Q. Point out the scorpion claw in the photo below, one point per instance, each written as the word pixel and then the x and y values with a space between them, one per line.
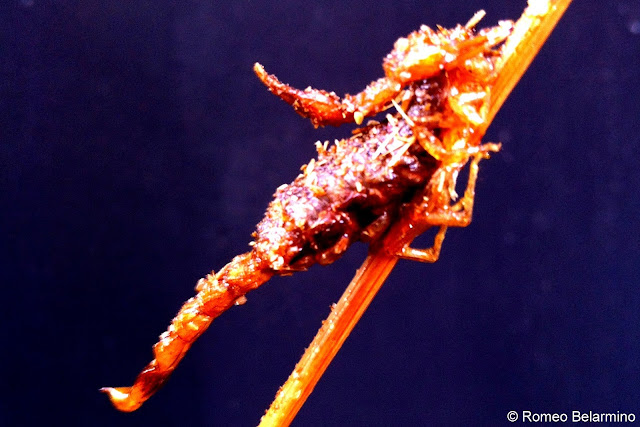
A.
pixel 327 108
pixel 322 107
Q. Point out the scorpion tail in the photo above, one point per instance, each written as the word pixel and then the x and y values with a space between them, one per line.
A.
pixel 216 294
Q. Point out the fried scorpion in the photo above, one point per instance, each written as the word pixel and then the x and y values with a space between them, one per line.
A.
pixel 439 84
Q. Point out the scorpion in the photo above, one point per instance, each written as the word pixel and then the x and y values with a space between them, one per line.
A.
pixel 438 84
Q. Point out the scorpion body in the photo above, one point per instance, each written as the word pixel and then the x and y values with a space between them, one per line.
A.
pixel 407 164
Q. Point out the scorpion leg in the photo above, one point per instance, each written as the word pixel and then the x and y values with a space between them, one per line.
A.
pixel 429 255
pixel 327 108
pixel 457 215
pixel 216 294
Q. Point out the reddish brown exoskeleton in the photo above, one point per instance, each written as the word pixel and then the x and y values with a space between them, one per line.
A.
pixel 438 83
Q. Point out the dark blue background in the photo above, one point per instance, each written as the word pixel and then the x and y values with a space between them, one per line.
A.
pixel 138 151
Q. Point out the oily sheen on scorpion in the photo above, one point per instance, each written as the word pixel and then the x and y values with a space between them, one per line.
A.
pixel 437 90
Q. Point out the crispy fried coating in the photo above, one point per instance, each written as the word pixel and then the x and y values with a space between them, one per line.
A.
pixel 439 83
pixel 350 186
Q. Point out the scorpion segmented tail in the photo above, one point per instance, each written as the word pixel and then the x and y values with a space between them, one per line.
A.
pixel 216 294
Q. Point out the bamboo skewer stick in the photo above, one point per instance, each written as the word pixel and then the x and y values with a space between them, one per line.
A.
pixel 334 331
pixel 529 34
